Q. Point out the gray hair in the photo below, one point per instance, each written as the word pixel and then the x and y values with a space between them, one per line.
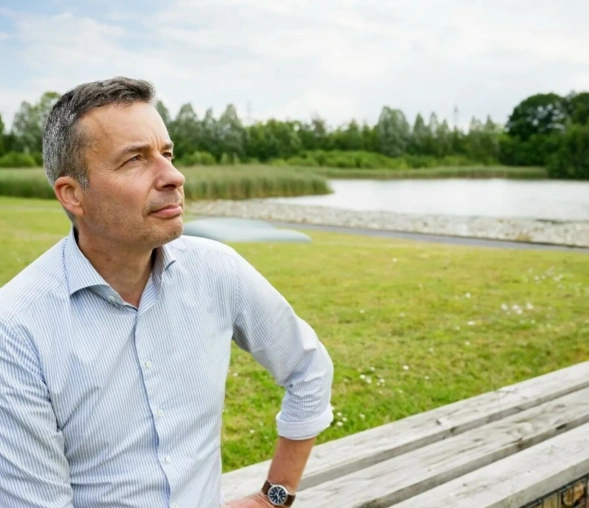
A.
pixel 64 142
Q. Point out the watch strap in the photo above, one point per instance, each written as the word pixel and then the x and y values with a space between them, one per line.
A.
pixel 289 498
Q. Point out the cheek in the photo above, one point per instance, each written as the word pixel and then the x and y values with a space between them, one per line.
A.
pixel 115 202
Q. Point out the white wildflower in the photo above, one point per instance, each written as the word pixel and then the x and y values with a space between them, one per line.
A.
pixel 405 367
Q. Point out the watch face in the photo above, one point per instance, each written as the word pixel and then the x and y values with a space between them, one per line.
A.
pixel 277 495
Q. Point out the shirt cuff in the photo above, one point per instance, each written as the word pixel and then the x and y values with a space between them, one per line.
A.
pixel 297 431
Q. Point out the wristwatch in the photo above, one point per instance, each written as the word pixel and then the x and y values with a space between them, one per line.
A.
pixel 277 494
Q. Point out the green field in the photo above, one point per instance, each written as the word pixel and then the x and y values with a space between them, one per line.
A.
pixel 212 182
pixel 437 323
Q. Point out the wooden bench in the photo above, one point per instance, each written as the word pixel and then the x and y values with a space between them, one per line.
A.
pixel 501 449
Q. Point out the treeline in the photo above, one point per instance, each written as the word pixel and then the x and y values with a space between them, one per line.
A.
pixel 544 130
pixel 552 131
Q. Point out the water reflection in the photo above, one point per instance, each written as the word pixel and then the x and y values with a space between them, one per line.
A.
pixel 544 199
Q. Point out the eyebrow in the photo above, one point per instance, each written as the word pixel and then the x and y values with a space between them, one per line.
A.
pixel 142 147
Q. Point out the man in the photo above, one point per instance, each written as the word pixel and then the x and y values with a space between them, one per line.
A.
pixel 115 344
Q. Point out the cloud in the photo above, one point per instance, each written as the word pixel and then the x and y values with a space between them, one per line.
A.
pixel 342 59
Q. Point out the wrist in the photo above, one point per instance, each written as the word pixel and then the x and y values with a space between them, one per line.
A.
pixel 278 494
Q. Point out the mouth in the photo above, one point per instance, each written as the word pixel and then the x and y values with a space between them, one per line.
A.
pixel 168 211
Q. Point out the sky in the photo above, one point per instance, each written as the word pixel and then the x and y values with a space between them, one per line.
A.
pixel 292 59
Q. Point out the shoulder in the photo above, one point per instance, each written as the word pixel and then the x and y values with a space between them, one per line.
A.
pixel 203 249
pixel 38 281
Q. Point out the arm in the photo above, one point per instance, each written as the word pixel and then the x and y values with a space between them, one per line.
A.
pixel 267 327
pixel 289 462
pixel 34 472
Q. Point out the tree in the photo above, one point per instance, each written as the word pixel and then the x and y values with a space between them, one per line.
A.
pixel 348 137
pixel 443 139
pixel 369 138
pixel 474 137
pixel 2 137
pixel 540 114
pixel 232 135
pixel 164 113
pixel 419 136
pixel 393 132
pixel 29 122
pixel 283 140
pixel 489 141
pixel 185 131
pixel 578 108
pixel 571 159
pixel 210 140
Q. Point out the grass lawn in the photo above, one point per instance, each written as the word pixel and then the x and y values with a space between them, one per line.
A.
pixel 435 323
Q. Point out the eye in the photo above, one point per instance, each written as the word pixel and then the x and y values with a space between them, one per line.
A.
pixel 135 159
pixel 168 155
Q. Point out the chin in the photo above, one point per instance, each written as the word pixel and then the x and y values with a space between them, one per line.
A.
pixel 173 231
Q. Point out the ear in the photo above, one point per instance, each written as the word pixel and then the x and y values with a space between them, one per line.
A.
pixel 69 193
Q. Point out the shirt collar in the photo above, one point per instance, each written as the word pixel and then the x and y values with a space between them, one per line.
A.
pixel 81 274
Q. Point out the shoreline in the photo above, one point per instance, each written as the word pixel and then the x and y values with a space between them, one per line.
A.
pixel 541 231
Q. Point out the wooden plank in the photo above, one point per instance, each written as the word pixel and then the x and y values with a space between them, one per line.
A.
pixel 516 480
pixel 403 477
pixel 352 453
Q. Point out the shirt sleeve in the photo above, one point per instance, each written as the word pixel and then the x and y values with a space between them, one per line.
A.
pixel 34 472
pixel 267 327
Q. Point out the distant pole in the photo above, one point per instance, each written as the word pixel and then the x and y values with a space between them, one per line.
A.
pixel 455 117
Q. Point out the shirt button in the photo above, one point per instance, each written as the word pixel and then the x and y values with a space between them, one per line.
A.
pixel 159 413
pixel 167 459
pixel 148 364
pixel 112 298
pixel 175 505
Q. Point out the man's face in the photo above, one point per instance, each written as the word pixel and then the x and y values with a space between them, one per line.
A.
pixel 136 196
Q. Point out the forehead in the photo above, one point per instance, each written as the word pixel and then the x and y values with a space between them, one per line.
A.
pixel 118 124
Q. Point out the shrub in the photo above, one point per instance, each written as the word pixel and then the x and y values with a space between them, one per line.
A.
pixel 18 160
pixel 197 159
pixel 571 159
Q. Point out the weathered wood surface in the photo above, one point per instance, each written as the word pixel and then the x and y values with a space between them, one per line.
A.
pixel 406 476
pixel 515 481
pixel 354 453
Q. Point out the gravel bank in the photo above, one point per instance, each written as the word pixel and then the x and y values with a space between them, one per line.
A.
pixel 570 233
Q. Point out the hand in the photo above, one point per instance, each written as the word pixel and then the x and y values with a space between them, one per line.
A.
pixel 258 500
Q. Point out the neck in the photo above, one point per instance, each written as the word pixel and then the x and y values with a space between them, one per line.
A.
pixel 126 270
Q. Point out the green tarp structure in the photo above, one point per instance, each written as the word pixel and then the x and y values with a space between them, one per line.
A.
pixel 229 229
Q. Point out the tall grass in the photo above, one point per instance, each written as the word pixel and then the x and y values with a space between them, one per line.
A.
pixel 530 173
pixel 218 182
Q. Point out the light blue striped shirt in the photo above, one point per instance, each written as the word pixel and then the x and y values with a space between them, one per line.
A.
pixel 105 405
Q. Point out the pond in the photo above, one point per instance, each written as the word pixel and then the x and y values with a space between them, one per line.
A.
pixel 540 199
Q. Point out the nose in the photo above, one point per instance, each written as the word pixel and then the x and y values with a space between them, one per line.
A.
pixel 168 176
